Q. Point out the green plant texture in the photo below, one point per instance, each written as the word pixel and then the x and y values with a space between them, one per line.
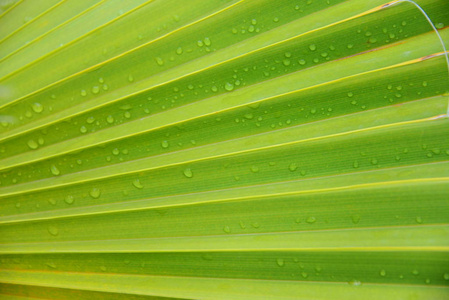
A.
pixel 224 149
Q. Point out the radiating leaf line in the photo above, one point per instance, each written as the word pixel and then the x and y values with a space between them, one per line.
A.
pixel 72 42
pixel 10 8
pixel 2 59
pixel 150 203
pixel 110 59
pixel 363 239
pixel 138 165
pixel 31 21
pixel 70 114
pixel 102 136
pixel 193 72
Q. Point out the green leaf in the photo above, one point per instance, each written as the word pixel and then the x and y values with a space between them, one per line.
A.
pixel 224 149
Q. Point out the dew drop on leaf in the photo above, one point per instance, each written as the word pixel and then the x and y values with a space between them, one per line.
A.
pixel 53 230
pixel 311 220
pixel 280 262
pixel 254 169
pixel 95 193
pixel 138 184
pixel 188 173
pixel 229 86
pixel 292 167
pixel 37 107
pixel 54 170
pixel 95 89
pixel 165 144
pixel 69 199
pixel 355 219
pixel 32 144
pixel 159 61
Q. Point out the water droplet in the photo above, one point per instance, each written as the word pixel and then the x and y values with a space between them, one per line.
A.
pixel 115 151
pixel 280 262
pixel 130 78
pixel 188 173
pixel 90 120
pixel 95 89
pixel 54 170
pixel 304 275
pixel 207 41
pixel 350 46
pixel 165 144
pixel 419 220
pixel 95 193
pixel 110 119
pixel 311 220
pixel 374 161
pixel 200 43
pixel 159 61
pixel 372 40
pixel 83 93
pixel 382 273
pixel 53 230
pixel 32 144
pixel 227 229
pixel 138 184
pixel 350 94
pixel 286 62
pixel 37 107
pixel 229 86
pixel 179 51
pixel 276 19
pixel 254 169
pixel 302 62
pixel 355 219
pixel 415 272
pixel 83 129
pixel 69 199
pixel 446 276
pixel 355 282
pixel 312 47
pixel 293 167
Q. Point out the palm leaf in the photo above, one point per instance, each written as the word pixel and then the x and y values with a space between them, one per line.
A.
pixel 224 149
